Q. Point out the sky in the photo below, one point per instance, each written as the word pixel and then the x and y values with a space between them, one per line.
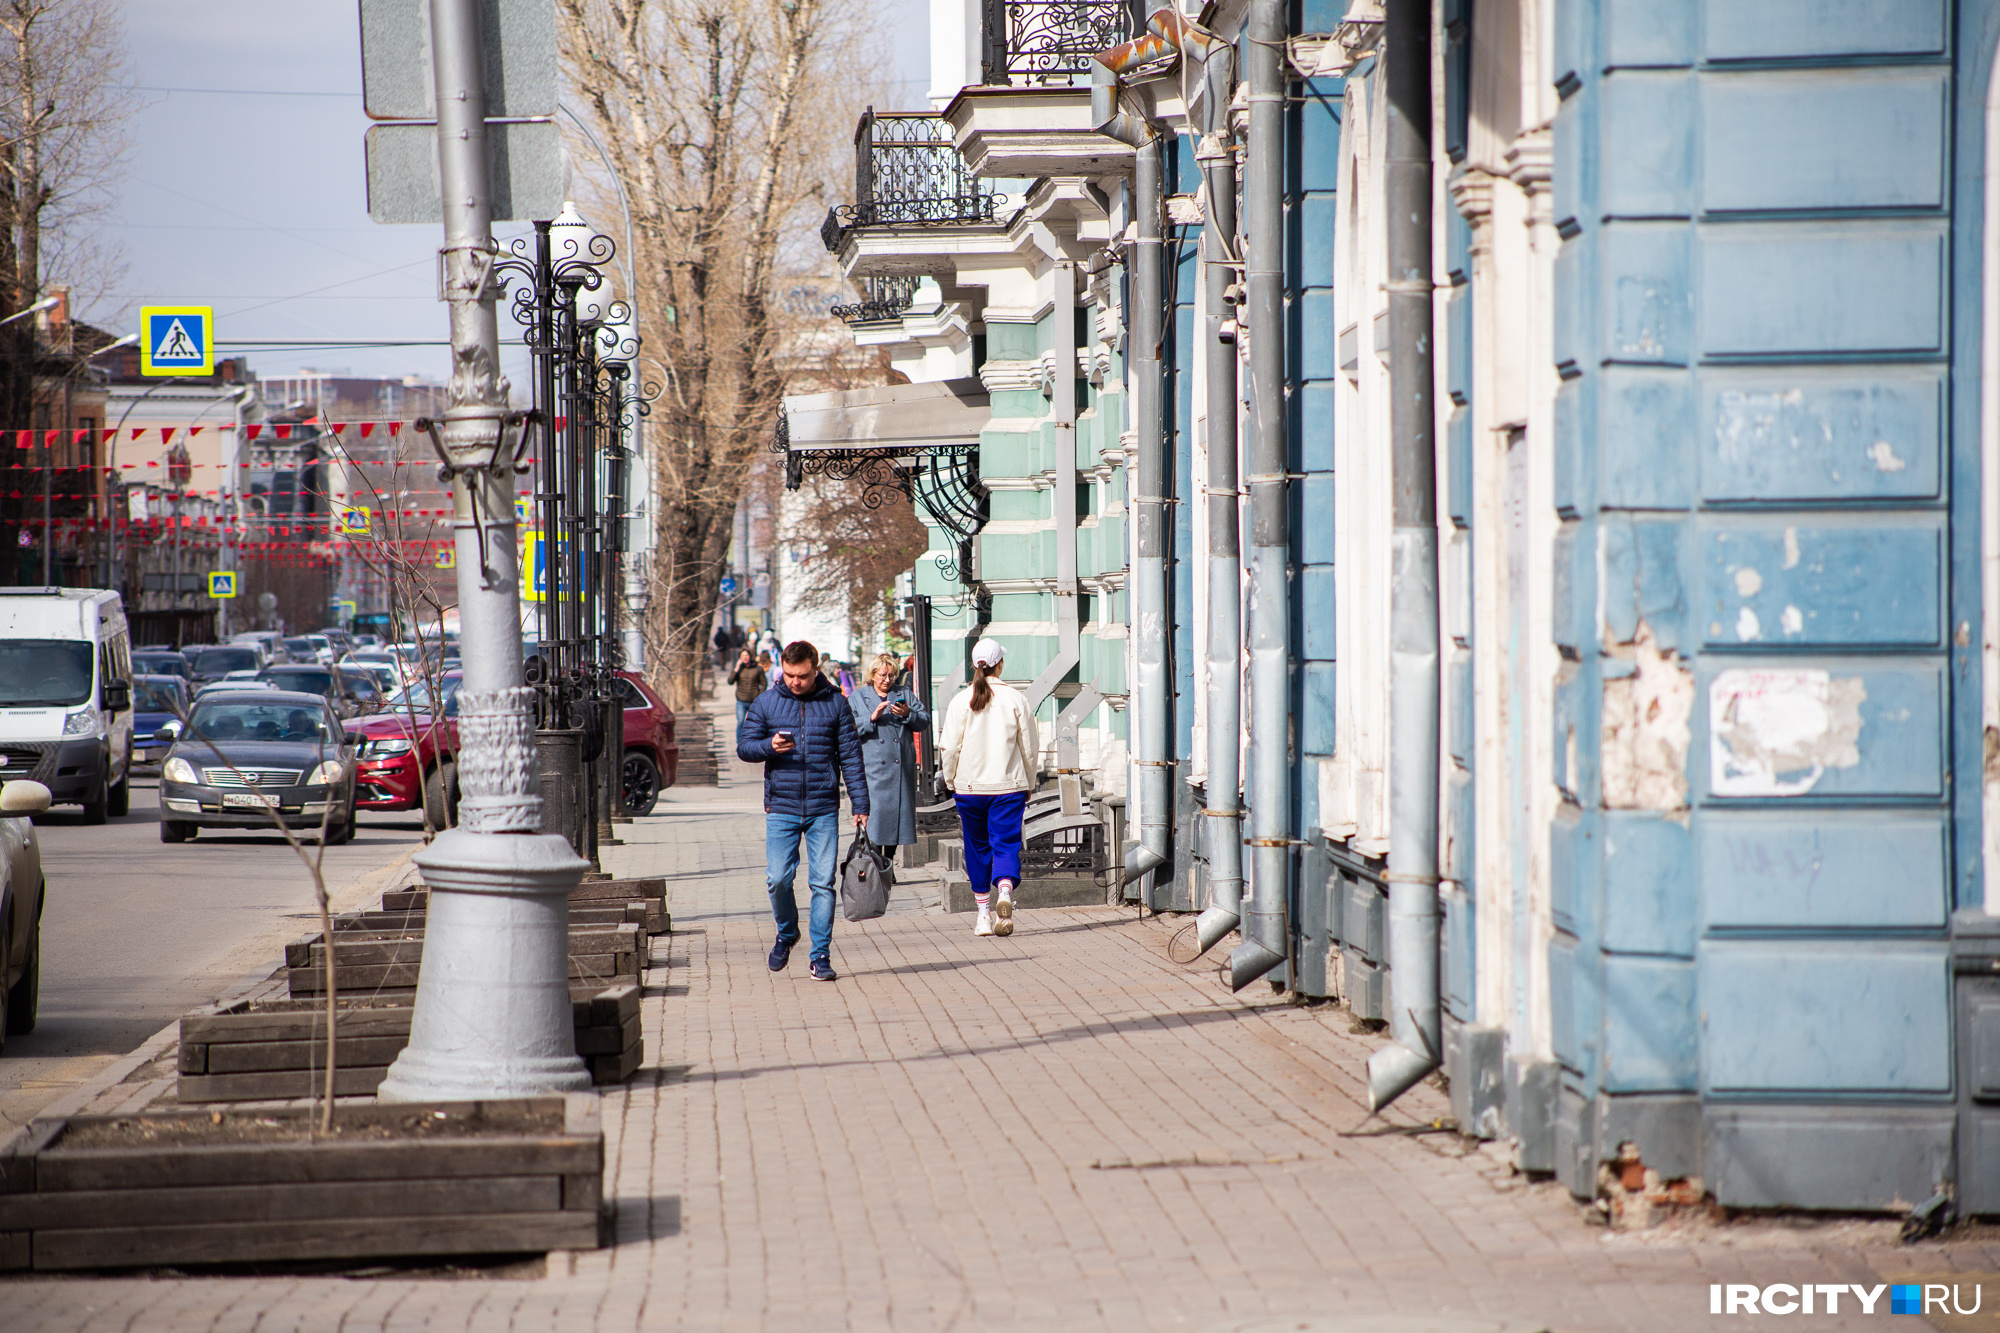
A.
pixel 245 189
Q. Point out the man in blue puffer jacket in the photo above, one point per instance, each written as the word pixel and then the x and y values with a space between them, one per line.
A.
pixel 802 732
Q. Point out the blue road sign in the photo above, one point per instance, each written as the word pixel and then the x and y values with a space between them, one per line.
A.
pixel 177 340
pixel 728 586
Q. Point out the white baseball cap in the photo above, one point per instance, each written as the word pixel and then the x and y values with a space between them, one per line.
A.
pixel 988 653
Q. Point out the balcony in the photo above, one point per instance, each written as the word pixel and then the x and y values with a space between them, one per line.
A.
pixel 882 299
pixel 907 174
pixel 1043 43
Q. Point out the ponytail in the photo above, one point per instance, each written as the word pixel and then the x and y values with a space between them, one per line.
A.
pixel 982 693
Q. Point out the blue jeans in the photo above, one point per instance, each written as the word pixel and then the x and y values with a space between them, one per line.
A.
pixel 742 707
pixel 781 867
pixel 992 828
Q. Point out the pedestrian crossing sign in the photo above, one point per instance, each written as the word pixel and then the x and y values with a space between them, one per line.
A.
pixel 446 558
pixel 354 521
pixel 177 340
pixel 222 584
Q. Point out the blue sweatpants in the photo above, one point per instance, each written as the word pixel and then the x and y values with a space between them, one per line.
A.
pixel 992 828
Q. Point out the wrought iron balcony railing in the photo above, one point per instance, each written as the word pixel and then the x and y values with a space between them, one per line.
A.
pixel 1038 42
pixel 907 173
pixel 882 298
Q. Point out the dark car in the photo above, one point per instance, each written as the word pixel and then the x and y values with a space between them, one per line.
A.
pixel 161 662
pixel 246 758
pixel 652 757
pixel 214 661
pixel 156 701
pixel 352 693
pixel 406 754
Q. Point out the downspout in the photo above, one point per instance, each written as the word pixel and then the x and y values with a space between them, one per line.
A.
pixel 1263 946
pixel 1225 564
pixel 1169 35
pixel 1418 1046
pixel 1062 417
pixel 1147 589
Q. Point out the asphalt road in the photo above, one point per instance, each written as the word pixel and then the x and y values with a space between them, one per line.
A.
pixel 136 932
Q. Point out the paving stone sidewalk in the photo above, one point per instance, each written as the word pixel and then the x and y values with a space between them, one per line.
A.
pixel 1060 1130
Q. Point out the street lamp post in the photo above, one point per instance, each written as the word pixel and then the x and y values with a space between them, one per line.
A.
pixel 492 1009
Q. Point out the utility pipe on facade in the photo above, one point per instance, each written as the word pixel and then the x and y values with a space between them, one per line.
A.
pixel 1217 156
pixel 1147 588
pixel 1169 35
pixel 492 1009
pixel 1418 1047
pixel 1266 907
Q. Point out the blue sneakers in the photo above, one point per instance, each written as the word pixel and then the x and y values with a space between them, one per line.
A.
pixel 781 953
pixel 823 969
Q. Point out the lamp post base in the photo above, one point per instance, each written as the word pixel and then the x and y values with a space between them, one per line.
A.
pixel 493 1016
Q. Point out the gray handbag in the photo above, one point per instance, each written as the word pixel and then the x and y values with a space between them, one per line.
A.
pixel 865 876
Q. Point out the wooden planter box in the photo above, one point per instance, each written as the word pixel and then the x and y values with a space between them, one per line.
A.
pixel 275 1050
pixel 165 1200
pixel 633 912
pixel 378 962
pixel 595 895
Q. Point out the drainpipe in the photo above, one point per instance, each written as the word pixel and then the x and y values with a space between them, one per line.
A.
pixel 1413 598
pixel 1062 418
pixel 1168 35
pixel 1147 588
pixel 1263 946
pixel 1225 564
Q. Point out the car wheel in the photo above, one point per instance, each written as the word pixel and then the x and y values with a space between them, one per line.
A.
pixel 25 998
pixel 441 795
pixel 173 830
pixel 98 804
pixel 120 803
pixel 642 783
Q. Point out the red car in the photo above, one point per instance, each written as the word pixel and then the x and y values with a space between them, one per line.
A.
pixel 397 767
pixel 652 757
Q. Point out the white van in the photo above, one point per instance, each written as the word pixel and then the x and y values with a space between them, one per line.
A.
pixel 66 696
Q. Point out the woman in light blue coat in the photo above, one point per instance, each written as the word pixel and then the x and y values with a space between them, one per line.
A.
pixel 887 720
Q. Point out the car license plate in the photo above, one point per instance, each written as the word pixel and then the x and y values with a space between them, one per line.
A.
pixel 256 800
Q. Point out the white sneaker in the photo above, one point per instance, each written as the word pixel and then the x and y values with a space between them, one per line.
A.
pixel 1004 910
pixel 984 925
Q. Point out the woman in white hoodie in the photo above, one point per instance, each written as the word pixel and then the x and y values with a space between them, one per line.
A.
pixel 989 753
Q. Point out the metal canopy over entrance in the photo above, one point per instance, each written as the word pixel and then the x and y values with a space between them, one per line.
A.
pixel 921 439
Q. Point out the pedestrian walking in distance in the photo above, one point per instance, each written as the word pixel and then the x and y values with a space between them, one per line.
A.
pixel 990 755
pixel 887 718
pixel 803 734
pixel 749 679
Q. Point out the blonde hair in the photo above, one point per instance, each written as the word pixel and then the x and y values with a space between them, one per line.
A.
pixel 881 661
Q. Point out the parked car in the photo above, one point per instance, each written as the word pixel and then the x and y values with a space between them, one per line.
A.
pixel 156 701
pixel 310 648
pixel 652 756
pixel 214 661
pixel 352 694
pixel 162 662
pixel 406 755
pixel 22 891
pixel 382 674
pixel 244 758
pixel 249 680
pixel 266 641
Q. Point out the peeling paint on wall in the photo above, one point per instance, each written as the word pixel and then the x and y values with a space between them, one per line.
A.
pixel 1646 729
pixel 1777 732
